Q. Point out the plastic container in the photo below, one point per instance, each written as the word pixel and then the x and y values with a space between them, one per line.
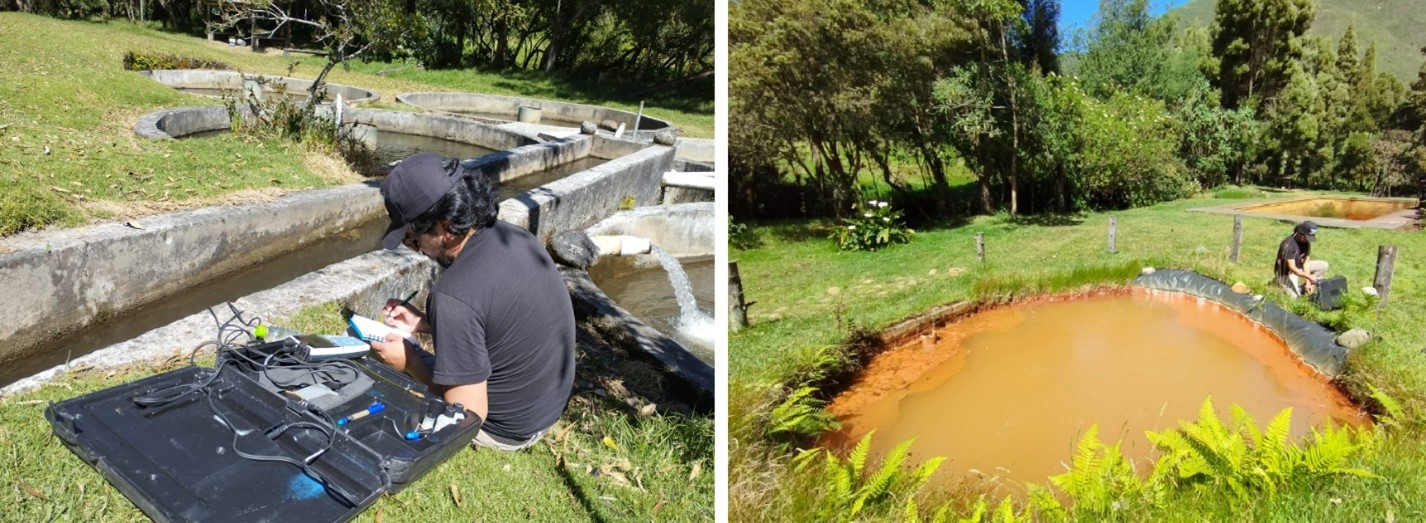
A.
pixel 274 332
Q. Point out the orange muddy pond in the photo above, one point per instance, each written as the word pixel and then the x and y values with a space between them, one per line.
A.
pixel 1006 393
pixel 1358 209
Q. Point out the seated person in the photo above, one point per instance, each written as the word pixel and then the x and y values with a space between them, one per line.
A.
pixel 1295 270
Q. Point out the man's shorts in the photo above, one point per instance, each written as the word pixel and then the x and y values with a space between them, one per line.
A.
pixel 487 440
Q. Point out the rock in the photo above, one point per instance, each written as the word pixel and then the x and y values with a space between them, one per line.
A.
pixel 588 128
pixel 573 248
pixel 664 138
pixel 1146 271
pixel 1354 338
pixel 609 125
pixel 1241 288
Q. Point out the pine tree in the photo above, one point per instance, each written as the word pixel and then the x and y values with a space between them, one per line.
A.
pixel 1254 43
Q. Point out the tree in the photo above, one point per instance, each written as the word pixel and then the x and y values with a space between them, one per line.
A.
pixel 344 28
pixel 1038 40
pixel 1128 50
pixel 1254 44
pixel 1294 126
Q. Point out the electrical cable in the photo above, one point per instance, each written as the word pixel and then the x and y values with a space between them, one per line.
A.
pixel 229 334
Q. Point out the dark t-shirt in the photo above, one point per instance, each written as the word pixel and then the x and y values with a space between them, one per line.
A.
pixel 501 314
pixel 1290 249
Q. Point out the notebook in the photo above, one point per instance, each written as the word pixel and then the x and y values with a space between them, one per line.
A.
pixel 372 330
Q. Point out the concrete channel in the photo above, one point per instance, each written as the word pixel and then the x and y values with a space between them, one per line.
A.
pixel 69 280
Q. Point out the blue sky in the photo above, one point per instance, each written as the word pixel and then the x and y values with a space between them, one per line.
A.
pixel 1077 13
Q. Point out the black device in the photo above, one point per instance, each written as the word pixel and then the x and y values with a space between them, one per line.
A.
pixel 216 444
pixel 1329 293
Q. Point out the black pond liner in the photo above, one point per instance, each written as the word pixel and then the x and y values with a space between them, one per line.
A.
pixel 1314 343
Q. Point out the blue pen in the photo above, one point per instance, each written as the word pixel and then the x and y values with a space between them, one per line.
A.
pixel 373 409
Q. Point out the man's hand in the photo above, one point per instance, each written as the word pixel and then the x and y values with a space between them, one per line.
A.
pixel 393 351
pixel 398 315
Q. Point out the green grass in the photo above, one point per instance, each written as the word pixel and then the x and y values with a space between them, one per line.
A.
pixel 659 466
pixel 64 91
pixel 809 297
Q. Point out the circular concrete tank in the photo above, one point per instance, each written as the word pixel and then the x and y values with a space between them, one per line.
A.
pixel 217 84
pixel 502 109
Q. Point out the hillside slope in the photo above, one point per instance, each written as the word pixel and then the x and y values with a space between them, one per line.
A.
pixel 1395 25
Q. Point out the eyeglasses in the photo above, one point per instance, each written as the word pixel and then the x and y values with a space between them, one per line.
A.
pixel 411 240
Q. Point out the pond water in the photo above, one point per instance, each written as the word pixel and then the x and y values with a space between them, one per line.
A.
pixel 1357 209
pixel 1006 393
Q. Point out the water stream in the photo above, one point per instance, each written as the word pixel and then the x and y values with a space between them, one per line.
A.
pixel 648 293
pixel 691 321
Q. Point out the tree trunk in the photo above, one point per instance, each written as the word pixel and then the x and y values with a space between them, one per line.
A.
pixel 1014 128
pixel 502 45
pixel 552 51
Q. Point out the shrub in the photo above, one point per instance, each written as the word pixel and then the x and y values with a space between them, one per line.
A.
pixel 1127 157
pixel 297 120
pixel 135 61
pixel 875 226
pixel 742 237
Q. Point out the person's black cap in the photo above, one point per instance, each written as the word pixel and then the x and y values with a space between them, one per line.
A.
pixel 1308 230
pixel 413 187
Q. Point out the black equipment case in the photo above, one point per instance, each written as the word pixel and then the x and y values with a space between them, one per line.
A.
pixel 180 460
pixel 1329 293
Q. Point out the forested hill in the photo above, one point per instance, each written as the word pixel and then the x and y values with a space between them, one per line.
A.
pixel 1395 26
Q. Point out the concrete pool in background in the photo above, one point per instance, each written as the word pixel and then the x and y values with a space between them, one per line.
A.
pixel 1331 211
pixel 1007 393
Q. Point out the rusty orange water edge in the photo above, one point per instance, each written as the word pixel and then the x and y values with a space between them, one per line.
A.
pixel 1357 209
pixel 1005 393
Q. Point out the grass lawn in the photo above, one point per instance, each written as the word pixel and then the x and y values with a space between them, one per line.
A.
pixel 67 110
pixel 809 297
pixel 608 459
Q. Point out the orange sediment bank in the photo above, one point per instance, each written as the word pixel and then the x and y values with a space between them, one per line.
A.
pixel 1007 392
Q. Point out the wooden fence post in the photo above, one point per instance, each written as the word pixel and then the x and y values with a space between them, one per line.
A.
pixel 737 310
pixel 1113 232
pixel 1237 237
pixel 1385 264
pixel 980 246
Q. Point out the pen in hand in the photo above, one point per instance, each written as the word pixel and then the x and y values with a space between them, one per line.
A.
pixel 404 303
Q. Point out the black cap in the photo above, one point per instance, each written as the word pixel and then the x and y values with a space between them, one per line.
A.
pixel 1308 230
pixel 413 188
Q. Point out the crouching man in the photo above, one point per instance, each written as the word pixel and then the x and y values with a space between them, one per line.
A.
pixel 1295 270
pixel 499 314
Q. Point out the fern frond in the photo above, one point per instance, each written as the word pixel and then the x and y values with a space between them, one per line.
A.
pixel 1244 422
pixel 923 472
pixel 805 457
pixel 880 482
pixel 856 461
pixel 977 513
pixel 940 515
pixel 1005 512
pixel 1394 412
pixel 1085 469
pixel 1044 504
